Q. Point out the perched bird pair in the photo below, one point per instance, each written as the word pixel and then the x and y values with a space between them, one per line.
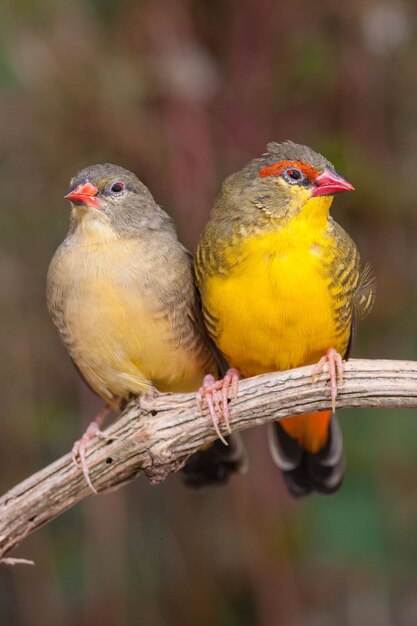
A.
pixel 280 284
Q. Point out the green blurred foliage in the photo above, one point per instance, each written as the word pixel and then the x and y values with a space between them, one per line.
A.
pixel 183 93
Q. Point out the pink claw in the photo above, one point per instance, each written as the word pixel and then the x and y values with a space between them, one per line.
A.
pixel 79 448
pixel 334 362
pixel 208 393
pixel 231 380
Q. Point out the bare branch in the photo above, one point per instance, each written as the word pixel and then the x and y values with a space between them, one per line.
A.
pixel 156 435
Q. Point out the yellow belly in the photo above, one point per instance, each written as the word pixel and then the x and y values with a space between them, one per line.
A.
pixel 116 331
pixel 121 347
pixel 277 311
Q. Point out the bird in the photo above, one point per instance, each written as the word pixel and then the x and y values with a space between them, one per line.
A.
pixel 282 286
pixel 121 295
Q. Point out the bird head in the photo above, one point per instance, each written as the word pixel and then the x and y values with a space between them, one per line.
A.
pixel 109 194
pixel 291 178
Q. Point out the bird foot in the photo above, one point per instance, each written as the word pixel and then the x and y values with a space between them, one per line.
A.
pixel 334 363
pixel 215 393
pixel 79 448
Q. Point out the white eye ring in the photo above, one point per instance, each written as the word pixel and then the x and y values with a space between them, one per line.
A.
pixel 294 176
pixel 117 188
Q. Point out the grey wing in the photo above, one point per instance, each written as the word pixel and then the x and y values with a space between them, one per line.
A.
pixel 364 297
pixel 363 301
pixel 358 284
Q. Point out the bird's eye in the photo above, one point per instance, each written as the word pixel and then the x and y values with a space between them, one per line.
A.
pixel 294 174
pixel 117 188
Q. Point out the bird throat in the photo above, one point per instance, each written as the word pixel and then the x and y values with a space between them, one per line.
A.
pixel 312 216
pixel 316 211
pixel 91 227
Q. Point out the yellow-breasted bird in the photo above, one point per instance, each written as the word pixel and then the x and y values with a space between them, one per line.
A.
pixel 281 287
pixel 120 292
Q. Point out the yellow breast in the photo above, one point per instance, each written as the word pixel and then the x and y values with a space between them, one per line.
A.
pixel 275 308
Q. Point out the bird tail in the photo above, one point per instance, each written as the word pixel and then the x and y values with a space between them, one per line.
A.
pixel 309 451
pixel 215 464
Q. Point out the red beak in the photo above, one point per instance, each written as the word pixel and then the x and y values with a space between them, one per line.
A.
pixel 84 194
pixel 330 182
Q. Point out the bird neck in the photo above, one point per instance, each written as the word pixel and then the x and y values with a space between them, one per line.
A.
pixel 312 217
pixel 91 228
pixel 315 213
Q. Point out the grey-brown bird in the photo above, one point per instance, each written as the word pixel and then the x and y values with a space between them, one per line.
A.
pixel 120 292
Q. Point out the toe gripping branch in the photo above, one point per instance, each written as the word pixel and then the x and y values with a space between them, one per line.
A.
pixel 215 393
pixel 334 363
pixel 79 449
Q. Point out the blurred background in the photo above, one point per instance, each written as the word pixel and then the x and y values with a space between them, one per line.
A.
pixel 184 93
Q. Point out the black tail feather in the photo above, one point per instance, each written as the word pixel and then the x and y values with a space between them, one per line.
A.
pixel 216 464
pixel 303 471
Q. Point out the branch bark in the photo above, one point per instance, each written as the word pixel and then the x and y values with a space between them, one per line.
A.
pixel 155 436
